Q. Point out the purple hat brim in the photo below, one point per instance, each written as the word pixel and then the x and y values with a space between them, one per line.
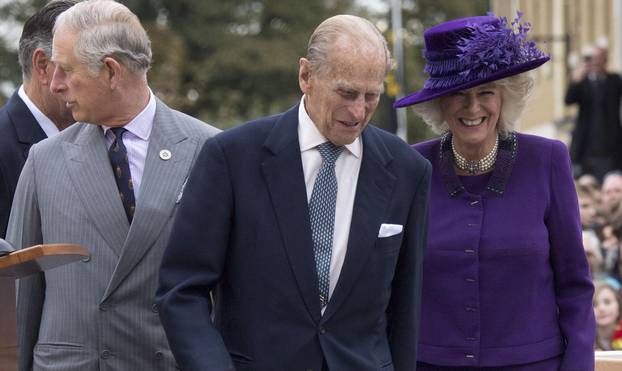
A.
pixel 425 95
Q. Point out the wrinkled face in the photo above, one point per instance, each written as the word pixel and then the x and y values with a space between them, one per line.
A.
pixel 472 115
pixel 606 308
pixel 342 100
pixel 612 191
pixel 85 95
pixel 587 211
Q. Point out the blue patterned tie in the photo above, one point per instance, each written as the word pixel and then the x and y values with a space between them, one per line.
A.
pixel 121 170
pixel 322 215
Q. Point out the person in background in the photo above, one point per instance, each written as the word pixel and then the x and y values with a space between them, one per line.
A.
pixel 607 304
pixel 308 227
pixel 596 146
pixel 111 183
pixel 506 284
pixel 611 192
pixel 33 113
pixel 588 212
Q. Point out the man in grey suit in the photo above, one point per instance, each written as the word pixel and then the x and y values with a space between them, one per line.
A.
pixel 110 182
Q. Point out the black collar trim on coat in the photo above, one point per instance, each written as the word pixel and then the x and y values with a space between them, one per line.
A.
pixel 506 155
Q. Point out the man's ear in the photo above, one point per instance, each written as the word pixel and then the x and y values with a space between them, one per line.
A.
pixel 304 74
pixel 112 70
pixel 40 63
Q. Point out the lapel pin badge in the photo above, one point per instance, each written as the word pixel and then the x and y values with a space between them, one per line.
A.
pixel 165 154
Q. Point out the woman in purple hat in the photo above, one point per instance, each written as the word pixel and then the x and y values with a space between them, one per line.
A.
pixel 506 283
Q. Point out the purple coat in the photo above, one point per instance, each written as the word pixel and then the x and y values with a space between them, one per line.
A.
pixel 505 278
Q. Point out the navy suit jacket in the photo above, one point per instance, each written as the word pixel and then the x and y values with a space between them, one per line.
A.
pixel 242 233
pixel 18 131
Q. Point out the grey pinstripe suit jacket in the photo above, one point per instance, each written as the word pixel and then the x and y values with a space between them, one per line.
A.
pixel 98 314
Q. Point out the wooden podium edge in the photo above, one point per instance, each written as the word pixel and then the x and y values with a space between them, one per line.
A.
pixel 53 254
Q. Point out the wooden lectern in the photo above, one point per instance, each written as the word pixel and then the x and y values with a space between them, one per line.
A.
pixel 17 265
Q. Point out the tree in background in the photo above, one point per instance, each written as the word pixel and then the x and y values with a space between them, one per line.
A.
pixel 230 61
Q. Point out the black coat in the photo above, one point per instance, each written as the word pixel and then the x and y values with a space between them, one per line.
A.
pixel 598 132
pixel 18 131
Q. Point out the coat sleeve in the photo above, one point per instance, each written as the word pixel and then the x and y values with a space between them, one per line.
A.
pixel 573 93
pixel 5 201
pixel 573 284
pixel 403 312
pixel 193 264
pixel 24 230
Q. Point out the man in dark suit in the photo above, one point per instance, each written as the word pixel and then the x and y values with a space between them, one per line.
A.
pixel 33 113
pixel 596 146
pixel 306 228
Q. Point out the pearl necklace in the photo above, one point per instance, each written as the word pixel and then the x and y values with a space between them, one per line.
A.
pixel 476 166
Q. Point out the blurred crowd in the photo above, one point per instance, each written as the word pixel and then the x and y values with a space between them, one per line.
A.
pixel 600 207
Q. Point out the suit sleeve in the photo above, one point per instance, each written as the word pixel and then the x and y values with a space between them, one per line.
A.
pixel 193 264
pixel 24 230
pixel 5 201
pixel 403 311
pixel 573 284
pixel 573 93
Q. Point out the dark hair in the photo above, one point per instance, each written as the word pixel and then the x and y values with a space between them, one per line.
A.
pixel 37 33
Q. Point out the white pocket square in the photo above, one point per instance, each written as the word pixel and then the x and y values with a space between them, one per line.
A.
pixel 388 230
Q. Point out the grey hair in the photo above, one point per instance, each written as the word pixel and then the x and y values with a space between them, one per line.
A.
pixel 358 29
pixel 107 29
pixel 515 92
pixel 37 33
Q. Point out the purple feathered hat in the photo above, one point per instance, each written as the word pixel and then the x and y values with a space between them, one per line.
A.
pixel 466 52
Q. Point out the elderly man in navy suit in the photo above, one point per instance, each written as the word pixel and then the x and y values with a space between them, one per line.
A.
pixel 306 229
pixel 33 113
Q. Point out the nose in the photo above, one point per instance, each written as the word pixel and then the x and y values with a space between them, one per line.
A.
pixel 472 103
pixel 57 85
pixel 358 109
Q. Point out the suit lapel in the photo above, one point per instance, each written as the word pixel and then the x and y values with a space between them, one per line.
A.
pixel 90 171
pixel 26 126
pixel 282 169
pixel 161 183
pixel 373 192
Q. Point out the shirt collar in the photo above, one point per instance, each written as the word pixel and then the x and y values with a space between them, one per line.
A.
pixel 48 127
pixel 142 124
pixel 310 137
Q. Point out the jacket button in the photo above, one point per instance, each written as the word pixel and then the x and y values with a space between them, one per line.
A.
pixel 159 355
pixel 104 307
pixel 86 259
pixel 105 354
pixel 154 308
pixel 322 330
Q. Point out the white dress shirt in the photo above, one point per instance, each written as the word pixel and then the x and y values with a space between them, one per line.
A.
pixel 347 171
pixel 49 128
pixel 136 140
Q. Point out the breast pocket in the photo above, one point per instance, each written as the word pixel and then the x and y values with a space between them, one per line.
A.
pixel 389 245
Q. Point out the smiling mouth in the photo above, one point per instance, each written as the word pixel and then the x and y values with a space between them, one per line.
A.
pixel 348 124
pixel 475 122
